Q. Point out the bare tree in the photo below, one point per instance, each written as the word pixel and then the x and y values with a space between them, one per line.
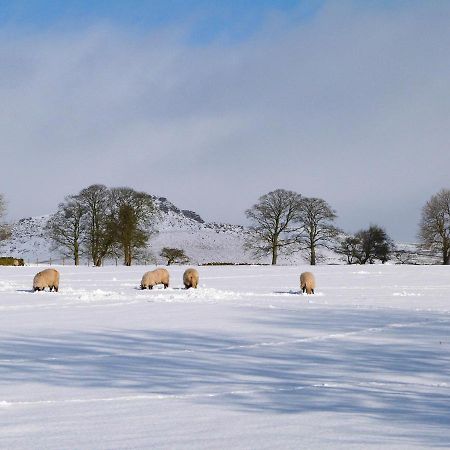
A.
pixel 434 228
pixel 367 246
pixel 274 223
pixel 96 199
pixel 317 230
pixel 402 256
pixel 133 219
pixel 349 247
pixel 5 229
pixel 103 222
pixel 2 206
pixel 65 227
pixel 174 255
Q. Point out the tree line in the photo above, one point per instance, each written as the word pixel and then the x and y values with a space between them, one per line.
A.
pixel 285 222
pixel 102 222
pixel 118 222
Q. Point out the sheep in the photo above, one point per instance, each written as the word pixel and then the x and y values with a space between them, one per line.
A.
pixel 154 277
pixel 46 278
pixel 307 282
pixel 190 278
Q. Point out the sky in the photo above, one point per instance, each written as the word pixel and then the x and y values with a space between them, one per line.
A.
pixel 213 104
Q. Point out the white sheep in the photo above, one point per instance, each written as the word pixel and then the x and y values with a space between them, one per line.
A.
pixel 307 282
pixel 154 277
pixel 46 278
pixel 190 278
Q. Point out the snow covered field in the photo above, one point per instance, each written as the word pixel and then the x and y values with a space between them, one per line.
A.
pixel 244 362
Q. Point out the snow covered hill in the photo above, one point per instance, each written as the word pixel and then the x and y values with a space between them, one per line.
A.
pixel 28 241
pixel 202 242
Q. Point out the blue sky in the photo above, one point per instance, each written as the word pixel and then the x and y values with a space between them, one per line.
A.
pixel 209 19
pixel 213 104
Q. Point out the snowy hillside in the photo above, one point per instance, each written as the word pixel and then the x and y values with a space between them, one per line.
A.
pixel 202 242
pixel 28 241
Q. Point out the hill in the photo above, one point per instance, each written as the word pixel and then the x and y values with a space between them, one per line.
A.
pixel 203 242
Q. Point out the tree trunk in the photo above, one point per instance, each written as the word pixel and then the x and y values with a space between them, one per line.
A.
pixel 274 254
pixel 76 255
pixel 312 255
pixel 96 260
pixel 127 255
pixel 446 256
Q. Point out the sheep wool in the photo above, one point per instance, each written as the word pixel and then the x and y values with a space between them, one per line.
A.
pixel 46 278
pixel 190 278
pixel 307 282
pixel 154 277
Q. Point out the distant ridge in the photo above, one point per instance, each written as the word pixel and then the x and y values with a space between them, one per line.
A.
pixel 181 228
pixel 203 242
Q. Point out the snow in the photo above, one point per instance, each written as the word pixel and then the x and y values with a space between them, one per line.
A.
pixel 202 242
pixel 245 361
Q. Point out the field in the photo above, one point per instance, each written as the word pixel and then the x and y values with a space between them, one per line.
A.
pixel 244 362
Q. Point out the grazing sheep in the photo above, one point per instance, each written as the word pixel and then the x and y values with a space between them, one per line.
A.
pixel 190 278
pixel 47 278
pixel 154 277
pixel 307 282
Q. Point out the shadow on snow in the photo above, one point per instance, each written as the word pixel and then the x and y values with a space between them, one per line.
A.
pixel 386 372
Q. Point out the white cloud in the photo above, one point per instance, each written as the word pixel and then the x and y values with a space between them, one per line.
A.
pixel 351 106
